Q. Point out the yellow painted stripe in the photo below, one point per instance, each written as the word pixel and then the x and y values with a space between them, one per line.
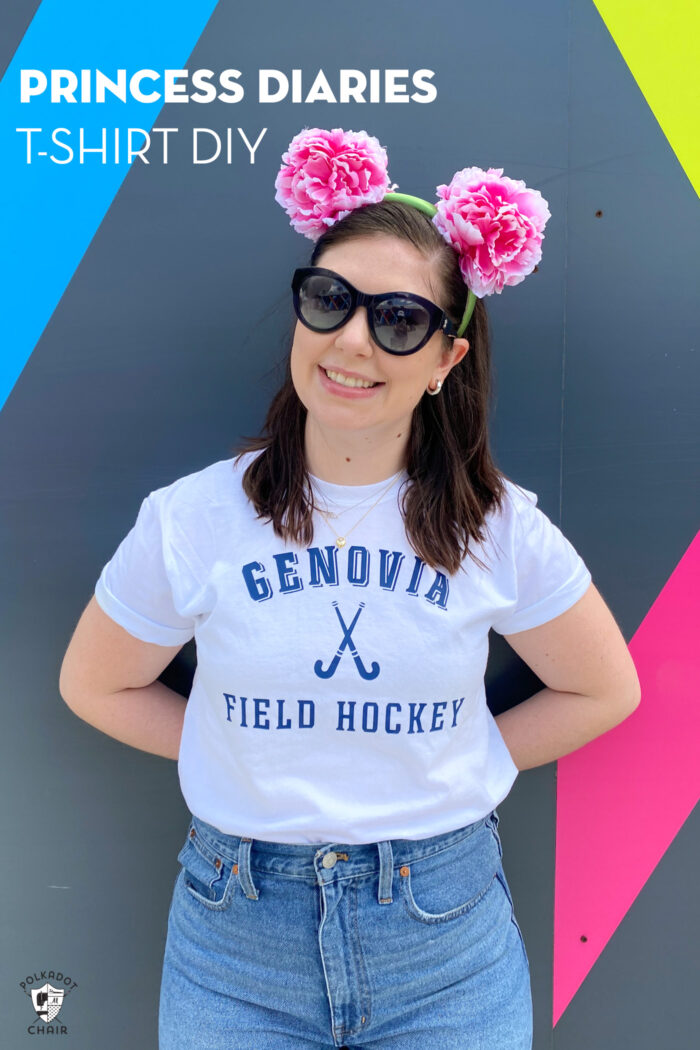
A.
pixel 660 42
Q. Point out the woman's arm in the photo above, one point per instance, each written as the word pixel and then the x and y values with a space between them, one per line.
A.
pixel 109 679
pixel 590 678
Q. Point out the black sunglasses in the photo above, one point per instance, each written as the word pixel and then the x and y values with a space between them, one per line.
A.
pixel 399 322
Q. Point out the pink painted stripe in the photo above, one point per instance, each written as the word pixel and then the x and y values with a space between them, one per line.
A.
pixel 622 798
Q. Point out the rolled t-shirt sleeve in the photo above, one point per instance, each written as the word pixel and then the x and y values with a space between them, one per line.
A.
pixel 147 586
pixel 549 575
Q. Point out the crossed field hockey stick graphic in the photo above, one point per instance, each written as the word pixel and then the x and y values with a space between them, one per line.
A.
pixel 347 640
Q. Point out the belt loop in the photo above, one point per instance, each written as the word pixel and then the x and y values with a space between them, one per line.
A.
pixel 386 871
pixel 244 876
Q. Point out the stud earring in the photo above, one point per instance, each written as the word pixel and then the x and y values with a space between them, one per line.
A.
pixel 437 388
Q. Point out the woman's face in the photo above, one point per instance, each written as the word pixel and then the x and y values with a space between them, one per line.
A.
pixel 372 264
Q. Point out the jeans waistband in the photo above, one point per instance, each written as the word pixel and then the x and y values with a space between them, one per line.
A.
pixel 318 862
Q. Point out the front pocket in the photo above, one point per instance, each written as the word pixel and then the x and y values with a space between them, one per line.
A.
pixel 450 883
pixel 208 877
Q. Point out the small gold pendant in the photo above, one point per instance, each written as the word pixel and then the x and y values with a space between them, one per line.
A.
pixel 340 541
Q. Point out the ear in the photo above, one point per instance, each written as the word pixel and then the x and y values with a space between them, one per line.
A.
pixel 452 355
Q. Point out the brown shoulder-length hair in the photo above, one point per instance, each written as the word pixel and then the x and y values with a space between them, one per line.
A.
pixel 452 478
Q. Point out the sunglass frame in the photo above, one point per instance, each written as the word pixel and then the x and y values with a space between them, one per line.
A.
pixel 438 319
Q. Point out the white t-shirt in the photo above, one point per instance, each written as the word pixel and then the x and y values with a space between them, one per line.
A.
pixel 339 692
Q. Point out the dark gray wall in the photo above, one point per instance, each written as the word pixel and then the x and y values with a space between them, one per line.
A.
pixel 163 350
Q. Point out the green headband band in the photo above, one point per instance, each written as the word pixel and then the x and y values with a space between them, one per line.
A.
pixel 429 209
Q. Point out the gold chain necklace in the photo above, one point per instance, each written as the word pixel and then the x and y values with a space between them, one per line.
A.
pixel 341 540
pixel 331 514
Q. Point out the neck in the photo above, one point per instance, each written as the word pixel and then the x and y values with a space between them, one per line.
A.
pixel 348 458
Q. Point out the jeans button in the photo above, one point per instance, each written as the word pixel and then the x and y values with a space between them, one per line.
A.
pixel 329 859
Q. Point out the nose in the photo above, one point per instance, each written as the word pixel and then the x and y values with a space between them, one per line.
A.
pixel 355 336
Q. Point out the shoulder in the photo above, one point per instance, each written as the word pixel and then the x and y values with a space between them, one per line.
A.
pixel 508 521
pixel 516 505
pixel 214 485
pixel 518 497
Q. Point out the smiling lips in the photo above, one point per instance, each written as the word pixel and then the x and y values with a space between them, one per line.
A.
pixel 350 385
pixel 342 375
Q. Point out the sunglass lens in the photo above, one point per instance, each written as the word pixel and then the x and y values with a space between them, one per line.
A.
pixel 400 324
pixel 323 301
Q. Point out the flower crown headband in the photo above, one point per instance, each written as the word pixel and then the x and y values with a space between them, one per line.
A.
pixel 496 224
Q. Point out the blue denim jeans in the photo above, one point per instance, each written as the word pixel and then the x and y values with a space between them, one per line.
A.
pixel 396 945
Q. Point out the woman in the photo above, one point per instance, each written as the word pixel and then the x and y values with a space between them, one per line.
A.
pixel 341 879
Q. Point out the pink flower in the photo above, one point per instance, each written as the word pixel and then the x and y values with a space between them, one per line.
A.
pixel 327 174
pixel 495 223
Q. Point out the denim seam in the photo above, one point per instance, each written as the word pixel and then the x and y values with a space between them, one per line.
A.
pixel 365 990
pixel 512 915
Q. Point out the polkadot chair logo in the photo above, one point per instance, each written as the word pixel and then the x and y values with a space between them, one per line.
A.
pixel 47 990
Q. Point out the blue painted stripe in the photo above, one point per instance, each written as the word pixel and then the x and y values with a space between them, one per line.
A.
pixel 51 211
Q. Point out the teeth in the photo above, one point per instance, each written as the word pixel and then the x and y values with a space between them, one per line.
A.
pixel 344 381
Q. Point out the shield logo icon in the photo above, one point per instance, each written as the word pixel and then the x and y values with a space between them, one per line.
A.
pixel 47 1001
